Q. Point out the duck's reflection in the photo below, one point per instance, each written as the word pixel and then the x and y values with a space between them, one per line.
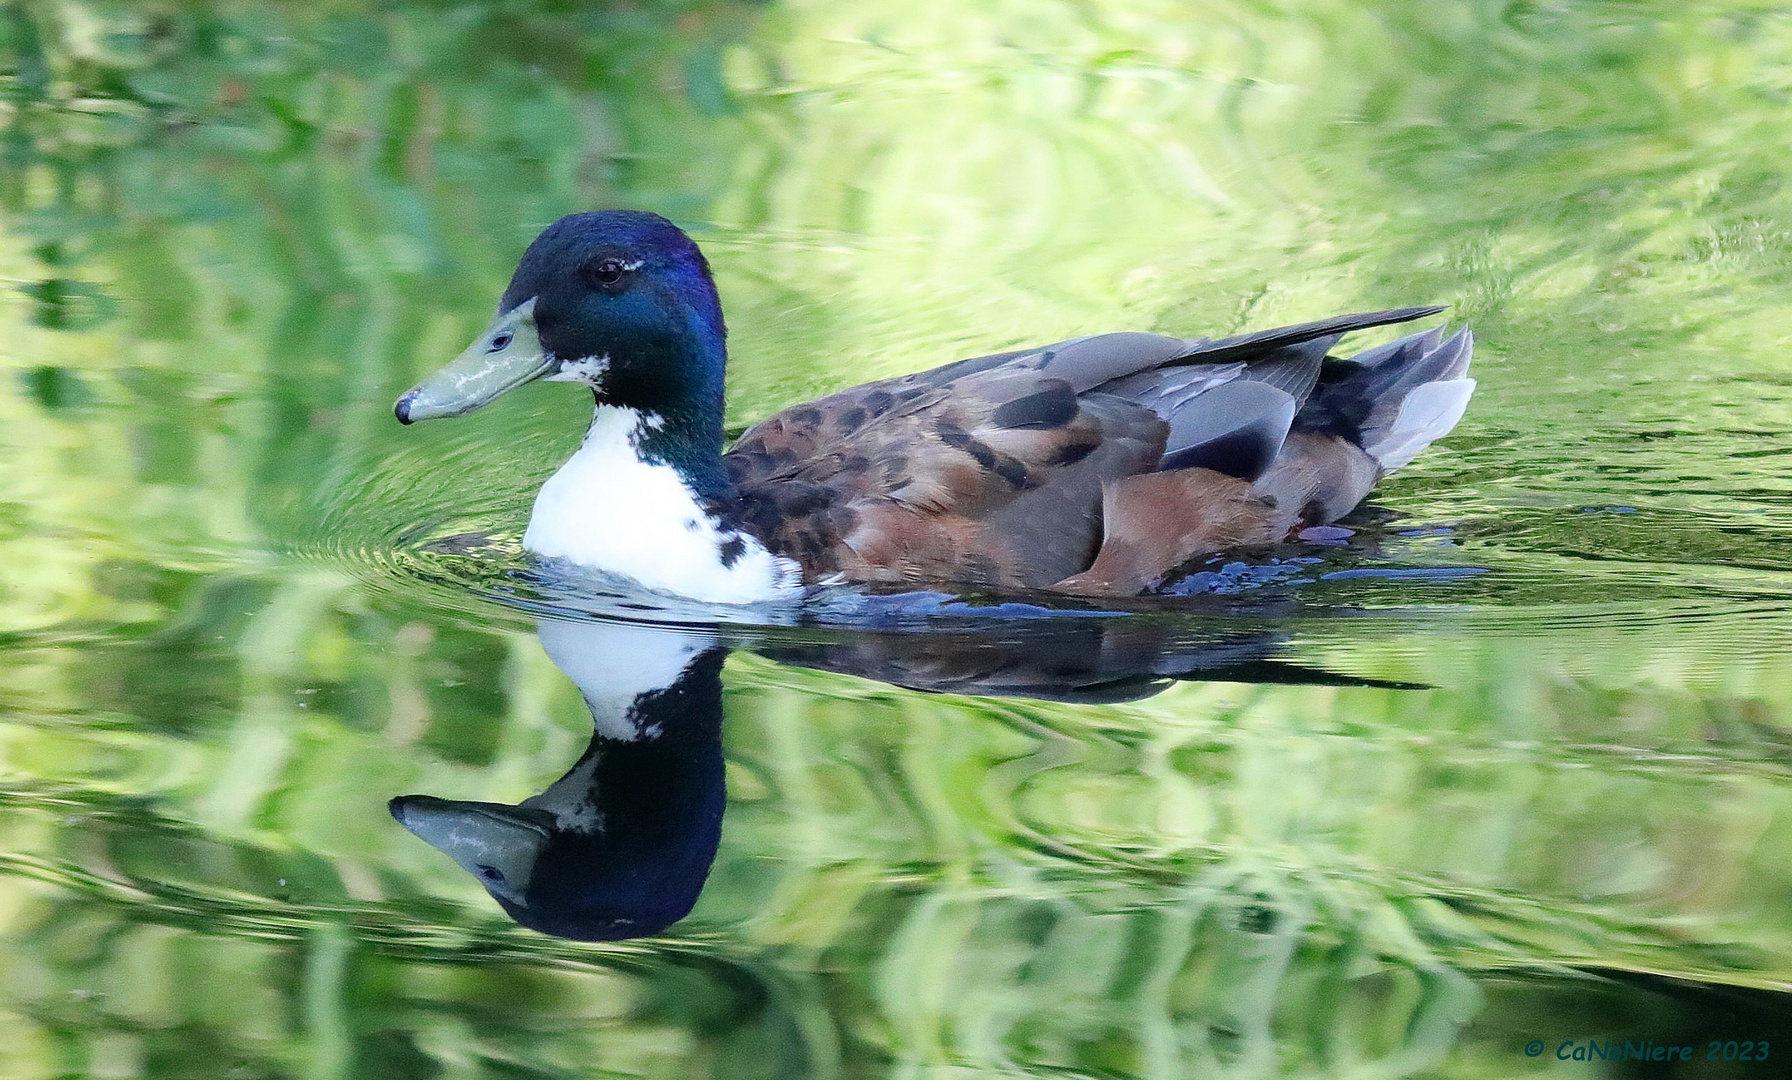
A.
pixel 620 846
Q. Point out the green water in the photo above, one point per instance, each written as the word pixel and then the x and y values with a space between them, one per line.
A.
pixel 231 234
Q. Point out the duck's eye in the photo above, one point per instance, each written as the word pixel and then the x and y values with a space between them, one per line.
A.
pixel 492 874
pixel 609 272
pixel 500 342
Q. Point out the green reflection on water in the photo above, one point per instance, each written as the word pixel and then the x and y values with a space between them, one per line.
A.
pixel 236 233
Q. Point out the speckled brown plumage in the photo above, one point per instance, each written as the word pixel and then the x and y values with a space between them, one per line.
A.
pixel 1096 465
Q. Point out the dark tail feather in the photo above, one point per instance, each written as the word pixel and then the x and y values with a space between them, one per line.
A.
pixel 1244 346
pixel 1395 399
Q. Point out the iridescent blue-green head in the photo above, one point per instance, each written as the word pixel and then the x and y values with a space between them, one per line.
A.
pixel 619 300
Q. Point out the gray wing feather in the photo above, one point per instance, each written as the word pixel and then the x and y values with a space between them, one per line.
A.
pixel 1237 429
pixel 1165 390
pixel 1084 362
pixel 1293 369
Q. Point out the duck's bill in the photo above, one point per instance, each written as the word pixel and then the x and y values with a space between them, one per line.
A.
pixel 496 843
pixel 443 822
pixel 507 355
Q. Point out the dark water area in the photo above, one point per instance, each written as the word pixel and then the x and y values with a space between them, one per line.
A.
pixel 1509 764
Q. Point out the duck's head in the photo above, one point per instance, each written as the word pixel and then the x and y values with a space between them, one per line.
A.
pixel 619 300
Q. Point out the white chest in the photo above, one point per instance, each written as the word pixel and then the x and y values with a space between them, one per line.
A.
pixel 609 510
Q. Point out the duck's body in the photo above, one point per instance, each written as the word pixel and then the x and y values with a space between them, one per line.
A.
pixel 1094 466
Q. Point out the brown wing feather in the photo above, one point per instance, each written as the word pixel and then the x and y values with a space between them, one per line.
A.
pixel 993 478
pixel 1156 522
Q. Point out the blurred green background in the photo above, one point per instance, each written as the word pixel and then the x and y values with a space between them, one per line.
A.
pixel 231 233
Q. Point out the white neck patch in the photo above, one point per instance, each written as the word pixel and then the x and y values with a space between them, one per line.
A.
pixel 572 800
pixel 609 510
pixel 585 369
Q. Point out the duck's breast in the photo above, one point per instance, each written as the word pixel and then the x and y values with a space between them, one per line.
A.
pixel 611 510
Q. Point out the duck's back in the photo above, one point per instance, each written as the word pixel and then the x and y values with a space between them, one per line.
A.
pixel 1098 464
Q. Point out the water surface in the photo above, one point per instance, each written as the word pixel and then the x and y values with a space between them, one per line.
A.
pixel 233 632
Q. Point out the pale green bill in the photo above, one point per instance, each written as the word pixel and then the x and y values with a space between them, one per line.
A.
pixel 504 357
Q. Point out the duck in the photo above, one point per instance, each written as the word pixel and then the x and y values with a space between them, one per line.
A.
pixel 1097 466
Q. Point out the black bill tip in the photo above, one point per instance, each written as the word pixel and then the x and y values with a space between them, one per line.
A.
pixel 402 410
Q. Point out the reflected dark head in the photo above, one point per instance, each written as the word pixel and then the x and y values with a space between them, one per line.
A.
pixel 636 873
pixel 586 889
pixel 618 847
